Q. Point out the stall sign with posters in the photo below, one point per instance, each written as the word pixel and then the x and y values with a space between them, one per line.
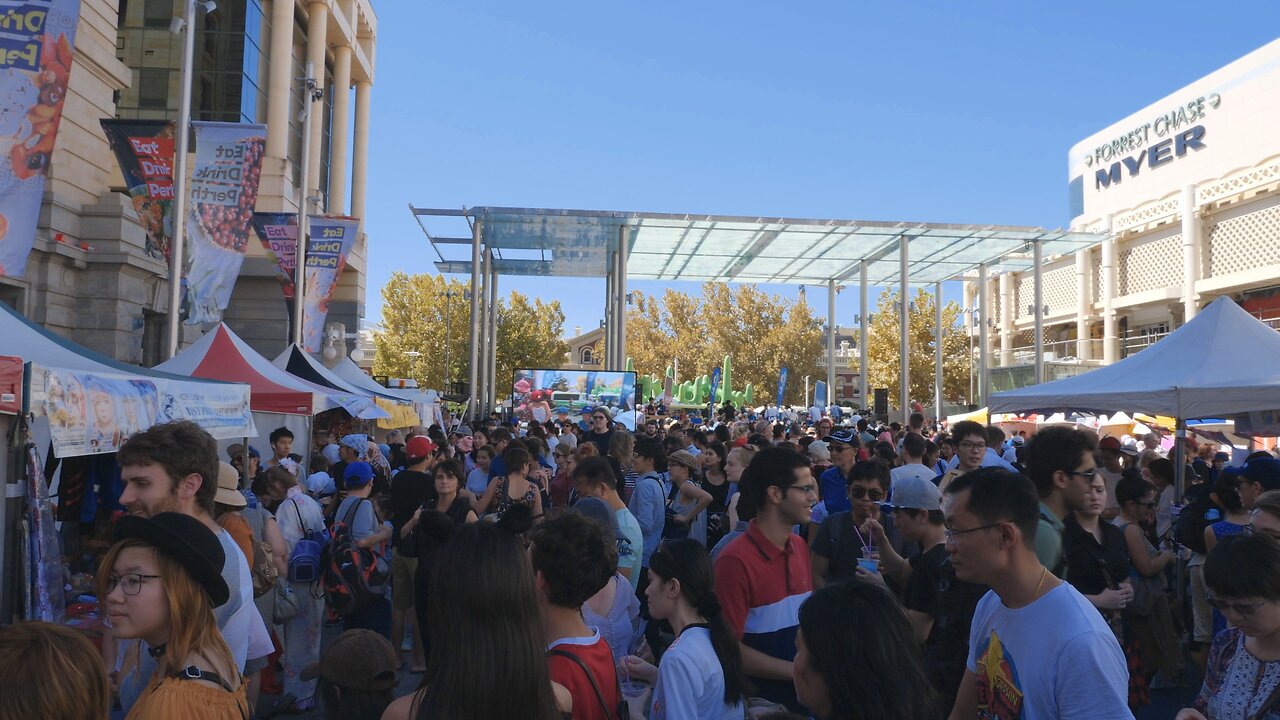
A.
pixel 144 150
pixel 93 412
pixel 224 191
pixel 330 241
pixel 37 41
pixel 10 385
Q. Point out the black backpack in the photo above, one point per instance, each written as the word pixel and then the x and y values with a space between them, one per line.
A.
pixel 1188 529
pixel 351 576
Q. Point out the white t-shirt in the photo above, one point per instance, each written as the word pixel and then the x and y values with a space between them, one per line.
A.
pixel 691 682
pixel 1054 659
pixel 914 470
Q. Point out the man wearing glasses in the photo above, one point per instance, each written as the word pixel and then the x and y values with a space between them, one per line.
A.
pixel 971 448
pixel 843 446
pixel 601 430
pixel 1038 650
pixel 1060 461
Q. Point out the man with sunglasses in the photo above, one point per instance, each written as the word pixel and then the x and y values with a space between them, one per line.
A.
pixel 1038 650
pixel 847 536
pixel 843 446
pixel 1060 461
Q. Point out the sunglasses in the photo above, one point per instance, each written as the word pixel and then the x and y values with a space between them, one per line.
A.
pixel 858 492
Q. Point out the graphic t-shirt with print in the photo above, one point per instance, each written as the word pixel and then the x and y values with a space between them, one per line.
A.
pixel 1054 659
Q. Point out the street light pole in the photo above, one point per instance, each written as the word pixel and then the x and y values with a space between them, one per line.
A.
pixel 177 246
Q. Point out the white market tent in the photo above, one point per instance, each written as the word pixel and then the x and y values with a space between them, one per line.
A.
pixel 1222 362
pixel 425 402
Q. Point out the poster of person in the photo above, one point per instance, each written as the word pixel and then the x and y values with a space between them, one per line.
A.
pixel 224 192
pixel 37 42
pixel 144 151
pixel 91 413
pixel 537 394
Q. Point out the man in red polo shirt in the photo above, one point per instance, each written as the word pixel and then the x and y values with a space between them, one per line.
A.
pixel 763 576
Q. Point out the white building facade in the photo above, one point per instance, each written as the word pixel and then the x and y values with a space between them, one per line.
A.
pixel 1187 191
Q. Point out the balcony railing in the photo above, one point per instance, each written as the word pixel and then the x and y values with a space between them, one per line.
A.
pixel 1057 351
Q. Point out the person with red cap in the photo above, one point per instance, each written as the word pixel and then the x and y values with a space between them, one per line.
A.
pixel 410 489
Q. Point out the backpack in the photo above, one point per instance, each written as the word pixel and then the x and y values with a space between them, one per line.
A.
pixel 672 530
pixel 304 561
pixel 351 576
pixel 1188 527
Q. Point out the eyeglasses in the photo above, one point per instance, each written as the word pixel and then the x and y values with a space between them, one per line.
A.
pixel 833 447
pixel 1088 475
pixel 1237 608
pixel 1150 504
pixel 857 493
pixel 806 489
pixel 131 583
pixel 966 445
pixel 952 536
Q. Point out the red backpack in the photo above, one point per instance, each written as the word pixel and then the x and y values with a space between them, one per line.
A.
pixel 351 576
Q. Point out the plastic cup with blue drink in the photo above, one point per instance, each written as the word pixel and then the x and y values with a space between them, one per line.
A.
pixel 870 560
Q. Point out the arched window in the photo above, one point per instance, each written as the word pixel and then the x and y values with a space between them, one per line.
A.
pixel 588 357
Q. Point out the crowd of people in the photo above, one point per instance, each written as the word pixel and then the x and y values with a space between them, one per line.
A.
pixel 722 568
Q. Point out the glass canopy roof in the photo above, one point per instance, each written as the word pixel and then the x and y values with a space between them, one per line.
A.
pixel 701 248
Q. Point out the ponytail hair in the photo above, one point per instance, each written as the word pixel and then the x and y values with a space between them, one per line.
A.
pixel 687 560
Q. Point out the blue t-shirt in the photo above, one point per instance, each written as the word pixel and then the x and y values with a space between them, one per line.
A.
pixel 835 493
pixel 363 523
pixel 648 505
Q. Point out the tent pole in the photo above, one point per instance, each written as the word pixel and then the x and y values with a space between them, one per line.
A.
pixel 1179 487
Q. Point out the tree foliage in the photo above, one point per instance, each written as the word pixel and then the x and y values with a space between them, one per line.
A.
pixel 883 352
pixel 760 331
pixel 417 310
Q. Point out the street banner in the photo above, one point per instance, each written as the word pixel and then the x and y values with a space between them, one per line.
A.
pixel 820 393
pixel 278 233
pixel 144 150
pixel 329 243
pixel 715 383
pixel 782 385
pixel 224 190
pixel 91 413
pixel 37 38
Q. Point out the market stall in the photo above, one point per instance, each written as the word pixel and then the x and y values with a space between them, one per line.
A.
pixel 300 363
pixel 425 402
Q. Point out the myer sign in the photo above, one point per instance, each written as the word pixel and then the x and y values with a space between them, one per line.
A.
pixel 1176 127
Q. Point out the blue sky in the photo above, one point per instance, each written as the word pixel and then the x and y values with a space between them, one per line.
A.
pixel 925 111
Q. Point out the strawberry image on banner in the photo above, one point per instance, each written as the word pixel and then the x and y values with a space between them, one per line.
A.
pixel 224 191
pixel 37 39
pixel 327 248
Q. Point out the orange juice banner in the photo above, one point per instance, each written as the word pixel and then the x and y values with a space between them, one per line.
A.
pixel 37 38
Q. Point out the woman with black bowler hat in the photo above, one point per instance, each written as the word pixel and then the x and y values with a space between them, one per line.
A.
pixel 160 582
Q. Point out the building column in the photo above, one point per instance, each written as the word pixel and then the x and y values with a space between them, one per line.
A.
pixel 1007 313
pixel 279 80
pixel 1190 252
pixel 340 135
pixel 317 38
pixel 360 149
pixel 904 330
pixel 1084 306
pixel 862 334
pixel 1110 342
pixel 831 341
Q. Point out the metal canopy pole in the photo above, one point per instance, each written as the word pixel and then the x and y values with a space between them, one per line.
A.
pixel 492 358
pixel 1037 275
pixel 904 332
pixel 983 308
pixel 609 307
pixel 831 342
pixel 621 341
pixel 937 351
pixel 473 368
pixel 177 245
pixel 482 401
pixel 862 334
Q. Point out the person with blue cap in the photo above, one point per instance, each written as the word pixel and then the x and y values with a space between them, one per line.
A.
pixel 357 511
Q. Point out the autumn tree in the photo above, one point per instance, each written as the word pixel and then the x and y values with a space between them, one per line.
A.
pixel 883 353
pixel 427 313
pixel 762 332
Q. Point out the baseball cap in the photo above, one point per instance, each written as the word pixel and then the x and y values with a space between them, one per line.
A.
pixel 418 447
pixel 916 493
pixel 357 660
pixel 463 430
pixel 845 437
pixel 357 474
pixel 1110 443
pixel 1264 471
pixel 818 451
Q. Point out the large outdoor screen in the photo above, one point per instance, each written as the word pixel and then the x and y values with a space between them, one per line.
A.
pixel 538 394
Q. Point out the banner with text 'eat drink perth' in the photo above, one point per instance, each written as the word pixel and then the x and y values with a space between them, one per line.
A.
pixel 330 241
pixel 37 39
pixel 278 233
pixel 144 149
pixel 224 191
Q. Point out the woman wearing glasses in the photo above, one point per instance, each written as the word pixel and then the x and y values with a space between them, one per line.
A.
pixel 1150 631
pixel 1242 680
pixel 160 582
